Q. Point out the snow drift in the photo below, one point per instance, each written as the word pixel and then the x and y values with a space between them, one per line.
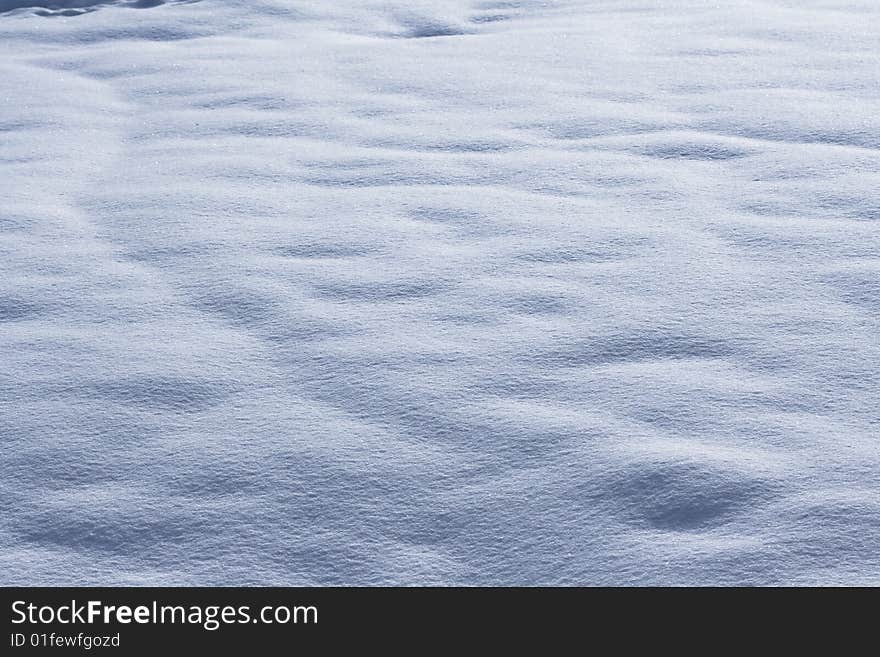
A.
pixel 447 292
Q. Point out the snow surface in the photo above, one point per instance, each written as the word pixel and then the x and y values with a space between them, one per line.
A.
pixel 440 292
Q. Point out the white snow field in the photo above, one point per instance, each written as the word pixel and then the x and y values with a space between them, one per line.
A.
pixel 440 292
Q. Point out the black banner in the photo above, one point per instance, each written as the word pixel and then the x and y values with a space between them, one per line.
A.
pixel 126 621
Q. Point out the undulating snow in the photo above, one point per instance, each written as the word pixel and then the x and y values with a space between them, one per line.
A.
pixel 440 292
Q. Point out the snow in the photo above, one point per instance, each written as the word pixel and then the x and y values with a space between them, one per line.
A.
pixel 440 292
